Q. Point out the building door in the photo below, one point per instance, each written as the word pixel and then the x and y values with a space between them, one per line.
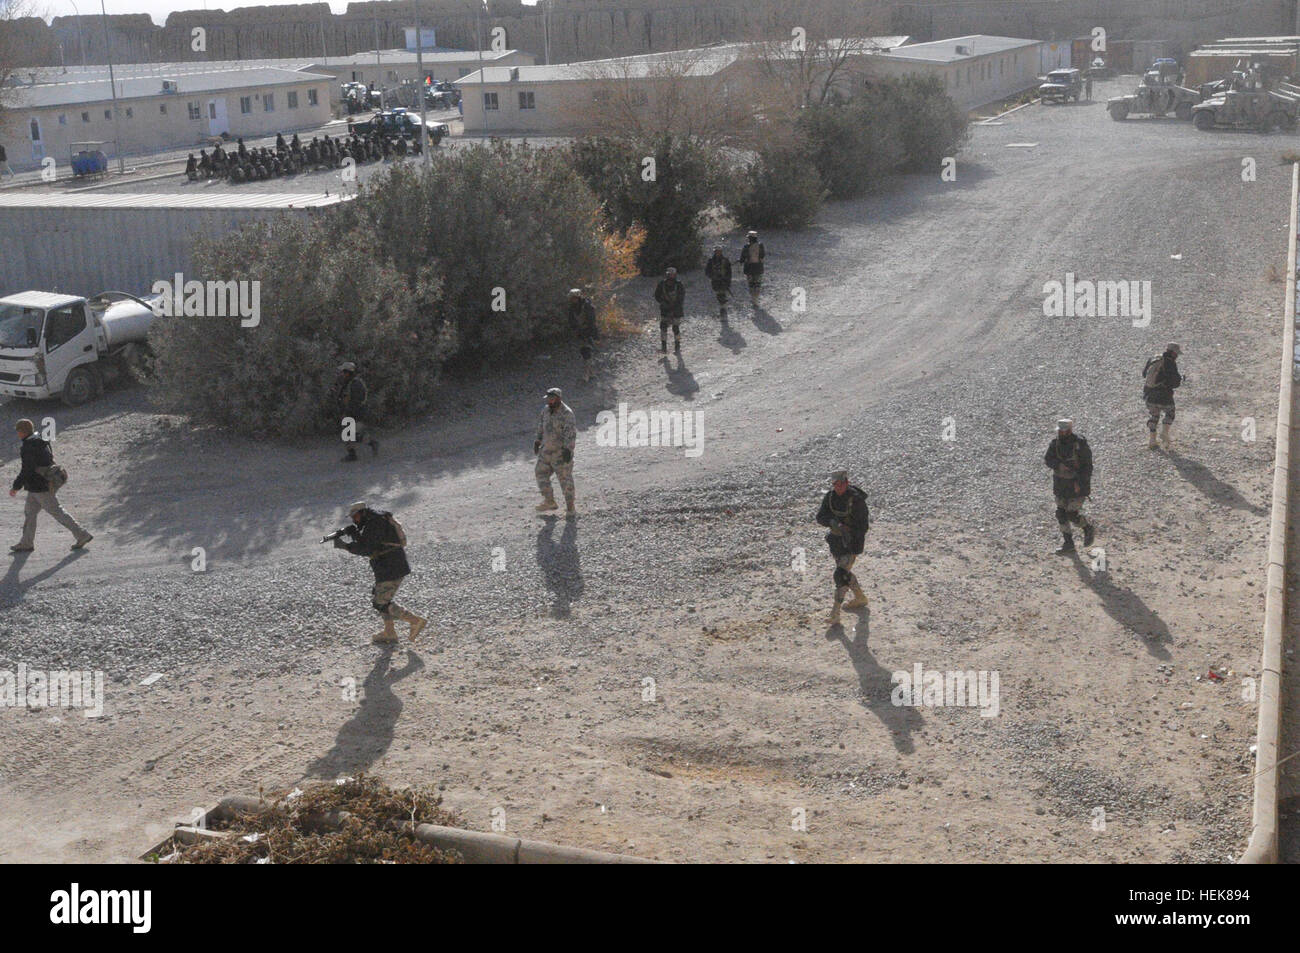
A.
pixel 217 122
pixel 38 147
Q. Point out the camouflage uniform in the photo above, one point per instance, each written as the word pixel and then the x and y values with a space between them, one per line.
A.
pixel 848 518
pixel 1070 459
pixel 557 431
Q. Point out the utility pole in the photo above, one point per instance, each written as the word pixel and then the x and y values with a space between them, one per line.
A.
pixel 81 42
pixel 546 30
pixel 482 75
pixel 112 87
pixel 419 66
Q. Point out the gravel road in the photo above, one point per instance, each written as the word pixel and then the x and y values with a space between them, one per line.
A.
pixel 657 676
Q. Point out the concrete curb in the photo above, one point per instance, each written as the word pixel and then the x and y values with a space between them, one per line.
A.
pixel 1262 848
pixel 476 847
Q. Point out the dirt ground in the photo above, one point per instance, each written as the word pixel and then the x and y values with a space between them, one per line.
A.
pixel 658 676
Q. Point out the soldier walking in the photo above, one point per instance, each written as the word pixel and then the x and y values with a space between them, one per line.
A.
pixel 376 535
pixel 35 477
pixel 844 512
pixel 350 397
pixel 557 433
pixel 582 320
pixel 718 270
pixel 1070 459
pixel 671 295
pixel 751 260
pixel 1160 378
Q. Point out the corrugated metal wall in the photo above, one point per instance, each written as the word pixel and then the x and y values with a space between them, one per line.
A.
pixel 86 251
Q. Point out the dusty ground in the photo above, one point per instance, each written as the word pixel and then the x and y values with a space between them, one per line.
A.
pixel 527 693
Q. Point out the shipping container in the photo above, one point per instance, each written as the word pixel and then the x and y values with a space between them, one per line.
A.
pixel 85 243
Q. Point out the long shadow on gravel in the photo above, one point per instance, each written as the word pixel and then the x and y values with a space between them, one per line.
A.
pixel 363 738
pixel 12 587
pixel 764 321
pixel 877 686
pixel 730 338
pixel 559 563
pixel 1199 476
pixel 680 379
pixel 1127 608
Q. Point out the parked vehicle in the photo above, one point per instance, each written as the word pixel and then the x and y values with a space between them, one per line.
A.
pixel 400 123
pixel 1156 95
pixel 1248 103
pixel 54 345
pixel 1060 85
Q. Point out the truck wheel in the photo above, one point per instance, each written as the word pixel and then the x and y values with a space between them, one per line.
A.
pixel 1203 120
pixel 80 387
pixel 1119 112
pixel 1183 111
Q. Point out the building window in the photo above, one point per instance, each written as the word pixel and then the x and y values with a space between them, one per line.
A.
pixel 162 108
pixel 129 114
pixel 245 105
pixel 63 120
pixel 463 71
pixel 195 112
pixel 392 76
pixel 311 97
pixel 268 104
pixel 526 100
pixel 108 114
pixel 489 101
pixel 293 99
pixel 85 117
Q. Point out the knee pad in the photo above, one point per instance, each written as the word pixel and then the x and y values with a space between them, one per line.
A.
pixel 842 577
pixel 380 607
pixel 1062 516
pixel 1076 517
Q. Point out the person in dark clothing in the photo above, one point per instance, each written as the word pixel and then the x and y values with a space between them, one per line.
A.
pixel 4 162
pixel 1070 459
pixel 243 152
pixel 191 168
pixel 350 399
pixel 751 260
pixel 582 321
pixel 380 538
pixel 280 145
pixel 37 460
pixel 1160 378
pixel 718 270
pixel 295 144
pixel 671 295
pixel 844 512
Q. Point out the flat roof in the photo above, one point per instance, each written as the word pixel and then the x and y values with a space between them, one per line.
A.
pixel 945 51
pixel 435 55
pixel 698 61
pixel 157 200
pixel 39 299
pixel 84 92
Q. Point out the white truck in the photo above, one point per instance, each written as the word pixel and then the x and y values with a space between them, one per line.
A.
pixel 55 345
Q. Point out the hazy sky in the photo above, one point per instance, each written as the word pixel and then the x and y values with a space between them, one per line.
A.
pixel 158 9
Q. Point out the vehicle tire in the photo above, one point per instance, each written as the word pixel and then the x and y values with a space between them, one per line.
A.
pixel 1119 112
pixel 1203 120
pixel 80 387
pixel 1183 111
pixel 1286 122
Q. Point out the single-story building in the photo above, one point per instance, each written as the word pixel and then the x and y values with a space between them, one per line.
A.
pixel 389 68
pixel 159 111
pixel 1213 61
pixel 975 70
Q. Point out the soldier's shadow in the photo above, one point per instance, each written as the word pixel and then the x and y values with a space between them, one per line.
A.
pixel 764 321
pixel 876 684
pixel 730 338
pixel 680 379
pixel 365 737
pixel 1199 476
pixel 1127 608
pixel 560 564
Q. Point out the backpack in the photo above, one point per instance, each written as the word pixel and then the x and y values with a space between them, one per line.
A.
pixel 1151 373
pixel 862 495
pixel 54 475
pixel 397 529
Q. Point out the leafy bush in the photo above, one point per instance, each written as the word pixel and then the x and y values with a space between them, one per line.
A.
pixel 403 280
pixel 930 124
pixel 783 189
pixel 689 178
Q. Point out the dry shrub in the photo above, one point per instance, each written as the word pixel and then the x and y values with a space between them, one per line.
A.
pixel 292 830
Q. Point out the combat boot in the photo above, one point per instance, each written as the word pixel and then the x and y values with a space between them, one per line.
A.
pixel 1067 547
pixel 569 508
pixel 1151 441
pixel 547 504
pixel 835 613
pixel 1166 437
pixel 417 625
pixel 859 600
pixel 386 637
pixel 1089 532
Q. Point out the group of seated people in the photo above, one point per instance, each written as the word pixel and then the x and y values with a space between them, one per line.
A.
pixel 251 165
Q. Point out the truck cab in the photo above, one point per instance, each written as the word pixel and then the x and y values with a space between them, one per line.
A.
pixel 55 345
